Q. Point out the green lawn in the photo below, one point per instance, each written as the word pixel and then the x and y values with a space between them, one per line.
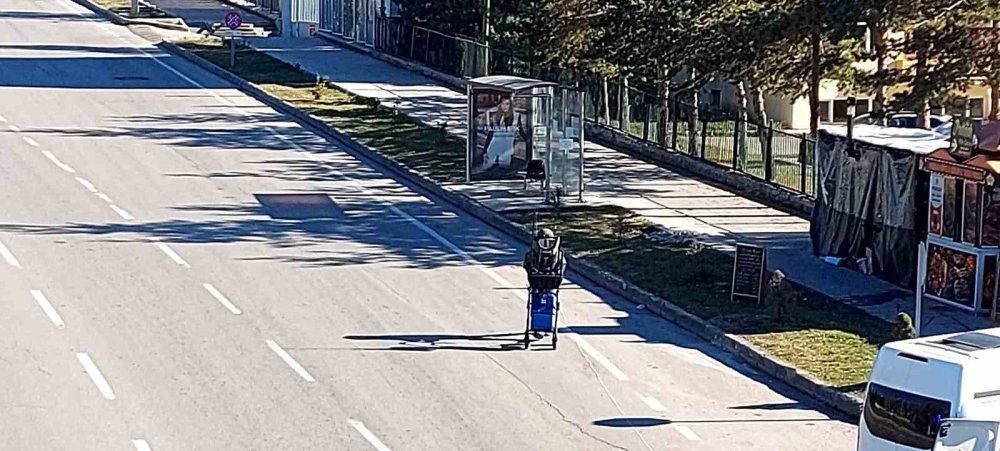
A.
pixel 832 341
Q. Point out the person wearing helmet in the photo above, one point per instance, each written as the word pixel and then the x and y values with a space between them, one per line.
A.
pixel 545 263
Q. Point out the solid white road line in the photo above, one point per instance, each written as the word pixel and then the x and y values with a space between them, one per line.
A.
pixel 617 373
pixel 95 375
pixel 141 445
pixel 222 299
pixel 654 404
pixel 360 427
pixel 173 255
pixel 14 128
pixel 56 161
pixel 124 214
pixel 8 256
pixel 105 198
pixel 47 308
pixel 290 361
pixel 3 119
pixel 31 142
pixel 86 184
pixel 687 432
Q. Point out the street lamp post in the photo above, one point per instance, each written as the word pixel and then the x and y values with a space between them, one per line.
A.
pixel 486 37
pixel 852 109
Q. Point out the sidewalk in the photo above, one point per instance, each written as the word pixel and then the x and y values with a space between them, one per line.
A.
pixel 664 197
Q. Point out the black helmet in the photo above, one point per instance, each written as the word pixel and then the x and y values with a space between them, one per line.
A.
pixel 546 240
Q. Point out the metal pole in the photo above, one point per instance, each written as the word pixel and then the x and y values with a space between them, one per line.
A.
pixel 486 38
pixel 134 8
pixel 471 132
pixel 583 126
pixel 921 279
pixel 548 144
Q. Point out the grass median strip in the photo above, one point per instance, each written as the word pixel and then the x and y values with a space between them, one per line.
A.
pixel 430 151
pixel 832 341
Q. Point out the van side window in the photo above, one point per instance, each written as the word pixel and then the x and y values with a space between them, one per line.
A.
pixel 904 418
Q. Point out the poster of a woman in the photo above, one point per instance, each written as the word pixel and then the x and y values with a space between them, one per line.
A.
pixel 502 140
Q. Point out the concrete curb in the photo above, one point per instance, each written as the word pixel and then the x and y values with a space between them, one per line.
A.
pixel 769 365
pixel 117 19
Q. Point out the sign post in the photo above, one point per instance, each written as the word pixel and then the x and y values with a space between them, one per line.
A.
pixel 748 272
pixel 232 20
pixel 134 8
pixel 921 280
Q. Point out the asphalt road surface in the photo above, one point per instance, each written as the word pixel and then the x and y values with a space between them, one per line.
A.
pixel 182 268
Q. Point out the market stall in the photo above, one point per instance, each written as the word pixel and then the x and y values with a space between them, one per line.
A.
pixel 958 260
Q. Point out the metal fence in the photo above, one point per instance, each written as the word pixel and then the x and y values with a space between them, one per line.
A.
pixel 761 151
pixel 774 156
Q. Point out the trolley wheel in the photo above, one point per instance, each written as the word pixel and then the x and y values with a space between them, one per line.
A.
pixel 527 339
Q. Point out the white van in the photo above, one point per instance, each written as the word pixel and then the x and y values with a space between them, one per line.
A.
pixel 917 384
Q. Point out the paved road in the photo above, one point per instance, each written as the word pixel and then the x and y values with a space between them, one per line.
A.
pixel 183 268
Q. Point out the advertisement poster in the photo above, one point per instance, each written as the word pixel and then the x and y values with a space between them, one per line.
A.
pixel 502 141
pixel 990 283
pixel 936 224
pixel 951 274
pixel 991 218
pixel 970 220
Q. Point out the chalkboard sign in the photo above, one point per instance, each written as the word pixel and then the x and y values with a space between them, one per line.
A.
pixel 748 271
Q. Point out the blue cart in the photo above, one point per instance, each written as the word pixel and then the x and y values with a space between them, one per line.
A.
pixel 543 315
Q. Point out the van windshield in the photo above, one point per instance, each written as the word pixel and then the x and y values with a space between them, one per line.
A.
pixel 904 418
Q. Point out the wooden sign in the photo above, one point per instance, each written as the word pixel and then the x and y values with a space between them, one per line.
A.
pixel 748 272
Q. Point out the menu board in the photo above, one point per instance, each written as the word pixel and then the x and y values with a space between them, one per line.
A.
pixel 951 274
pixel 748 271
pixel 936 220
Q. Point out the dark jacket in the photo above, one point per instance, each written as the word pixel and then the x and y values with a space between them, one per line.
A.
pixel 545 269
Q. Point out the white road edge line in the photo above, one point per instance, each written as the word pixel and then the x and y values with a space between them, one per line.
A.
pixel 47 307
pixel 222 299
pixel 173 255
pixel 13 128
pixel 653 404
pixel 86 184
pixel 3 119
pixel 368 435
pixel 56 161
pixel 290 361
pixel 141 445
pixel 124 214
pixel 95 375
pixel 31 142
pixel 593 352
pixel 687 432
pixel 105 198
pixel 8 256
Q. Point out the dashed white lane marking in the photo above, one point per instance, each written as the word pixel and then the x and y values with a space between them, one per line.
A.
pixel 290 361
pixel 105 198
pixel 95 375
pixel 687 432
pixel 653 404
pixel 368 435
pixel 222 299
pixel 14 128
pixel 583 344
pixel 124 214
pixel 47 307
pixel 31 142
pixel 56 161
pixel 141 445
pixel 170 253
pixel 8 256
pixel 86 184
pixel 3 119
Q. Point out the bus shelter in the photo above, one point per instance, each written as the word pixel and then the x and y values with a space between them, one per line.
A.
pixel 958 259
pixel 521 127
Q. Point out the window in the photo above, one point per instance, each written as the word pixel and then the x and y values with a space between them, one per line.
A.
pixel 824 111
pixel 864 34
pixel 716 98
pixel 977 108
pixel 840 109
pixel 904 418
